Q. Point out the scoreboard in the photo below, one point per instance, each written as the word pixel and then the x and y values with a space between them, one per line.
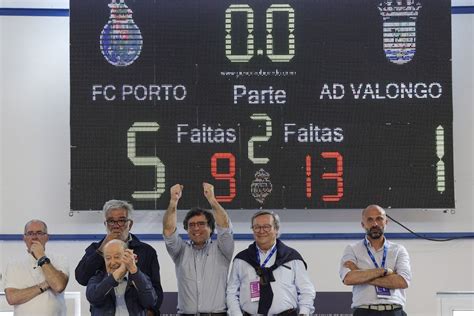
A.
pixel 296 104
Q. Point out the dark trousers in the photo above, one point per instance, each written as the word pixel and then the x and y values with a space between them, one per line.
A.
pixel 369 312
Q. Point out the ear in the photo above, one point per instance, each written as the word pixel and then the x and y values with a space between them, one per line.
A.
pixel 362 224
pixel 130 225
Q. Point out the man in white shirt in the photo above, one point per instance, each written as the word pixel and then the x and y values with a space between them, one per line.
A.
pixel 269 277
pixel 35 284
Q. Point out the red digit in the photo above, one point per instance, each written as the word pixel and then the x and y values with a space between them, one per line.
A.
pixel 334 176
pixel 308 176
pixel 229 176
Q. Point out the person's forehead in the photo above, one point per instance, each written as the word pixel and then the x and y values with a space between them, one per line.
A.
pixel 373 212
pixel 35 226
pixel 113 249
pixel 117 212
pixel 197 218
pixel 264 219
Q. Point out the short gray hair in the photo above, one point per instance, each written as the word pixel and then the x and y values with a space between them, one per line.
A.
pixel 117 204
pixel 36 221
pixel 276 218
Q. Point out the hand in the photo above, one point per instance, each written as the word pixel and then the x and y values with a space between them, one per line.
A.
pixel 37 249
pixel 351 265
pixel 120 272
pixel 208 191
pixel 129 260
pixel 44 285
pixel 110 236
pixel 176 192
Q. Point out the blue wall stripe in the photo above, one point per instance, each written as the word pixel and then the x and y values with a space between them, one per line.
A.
pixel 65 12
pixel 306 236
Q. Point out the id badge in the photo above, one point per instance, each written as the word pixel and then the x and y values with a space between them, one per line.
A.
pixel 255 291
pixel 382 292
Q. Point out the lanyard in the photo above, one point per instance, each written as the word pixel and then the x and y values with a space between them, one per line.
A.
pixel 268 257
pixel 372 256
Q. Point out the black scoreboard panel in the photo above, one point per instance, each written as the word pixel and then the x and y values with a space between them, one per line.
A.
pixel 279 104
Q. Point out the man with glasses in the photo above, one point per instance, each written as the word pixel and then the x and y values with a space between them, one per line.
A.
pixel 201 263
pixel 118 223
pixel 35 284
pixel 378 270
pixel 269 277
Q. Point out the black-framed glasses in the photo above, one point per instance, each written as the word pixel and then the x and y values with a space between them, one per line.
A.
pixel 120 222
pixel 266 228
pixel 197 224
pixel 35 234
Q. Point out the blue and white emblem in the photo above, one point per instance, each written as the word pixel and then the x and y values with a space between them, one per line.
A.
pixel 121 40
pixel 399 29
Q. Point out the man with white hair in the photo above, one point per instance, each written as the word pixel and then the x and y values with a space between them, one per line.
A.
pixel 123 289
pixel 35 284
pixel 118 223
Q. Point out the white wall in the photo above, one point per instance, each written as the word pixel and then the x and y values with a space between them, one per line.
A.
pixel 34 168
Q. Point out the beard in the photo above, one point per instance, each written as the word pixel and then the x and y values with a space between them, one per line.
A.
pixel 375 232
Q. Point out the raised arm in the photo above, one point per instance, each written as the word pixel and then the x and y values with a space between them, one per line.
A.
pixel 170 217
pixel 222 219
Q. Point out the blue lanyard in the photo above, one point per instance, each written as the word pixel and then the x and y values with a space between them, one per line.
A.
pixel 384 257
pixel 268 257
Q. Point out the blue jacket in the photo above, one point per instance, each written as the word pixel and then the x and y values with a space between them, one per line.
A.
pixel 139 294
pixel 147 263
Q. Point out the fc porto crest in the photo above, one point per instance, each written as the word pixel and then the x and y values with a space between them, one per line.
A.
pixel 121 40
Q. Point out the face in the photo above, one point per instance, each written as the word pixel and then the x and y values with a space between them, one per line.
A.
pixel 118 224
pixel 374 222
pixel 35 231
pixel 113 254
pixel 264 231
pixel 198 229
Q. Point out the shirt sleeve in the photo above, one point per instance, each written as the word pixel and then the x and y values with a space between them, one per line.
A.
pixel 305 289
pixel 225 240
pixel 402 265
pixel 9 279
pixel 174 245
pixel 89 264
pixel 348 255
pixel 233 290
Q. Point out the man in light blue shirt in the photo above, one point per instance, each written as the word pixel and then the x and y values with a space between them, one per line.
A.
pixel 378 270
pixel 202 264
pixel 269 277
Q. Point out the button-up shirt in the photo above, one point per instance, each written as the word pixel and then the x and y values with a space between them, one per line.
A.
pixel 202 273
pixel 397 260
pixel 292 287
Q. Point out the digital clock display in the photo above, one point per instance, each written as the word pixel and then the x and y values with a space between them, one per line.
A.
pixel 280 104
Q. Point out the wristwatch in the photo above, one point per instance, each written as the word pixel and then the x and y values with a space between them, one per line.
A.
pixel 43 260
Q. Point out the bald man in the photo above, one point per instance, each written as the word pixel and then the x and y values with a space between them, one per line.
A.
pixel 378 270
pixel 123 289
pixel 35 284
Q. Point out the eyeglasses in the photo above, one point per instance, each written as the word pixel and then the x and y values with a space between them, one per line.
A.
pixel 197 224
pixel 35 234
pixel 120 222
pixel 266 228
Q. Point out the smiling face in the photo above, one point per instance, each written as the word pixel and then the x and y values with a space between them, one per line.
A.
pixel 374 221
pixel 113 253
pixel 264 231
pixel 198 229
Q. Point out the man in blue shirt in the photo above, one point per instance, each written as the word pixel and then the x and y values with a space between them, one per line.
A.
pixel 378 270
